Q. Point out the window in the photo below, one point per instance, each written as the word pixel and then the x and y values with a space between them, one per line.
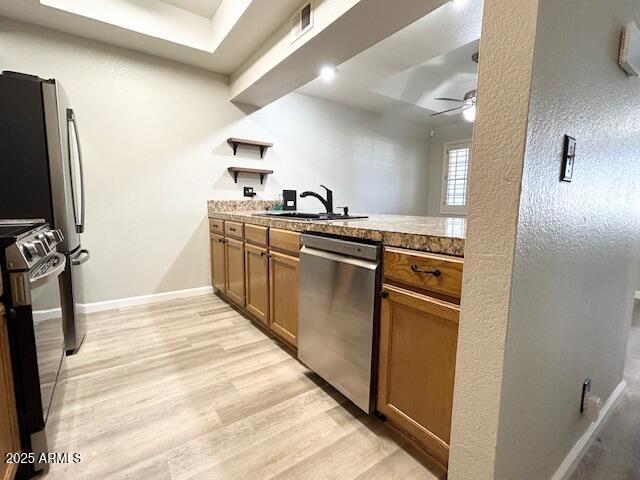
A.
pixel 457 157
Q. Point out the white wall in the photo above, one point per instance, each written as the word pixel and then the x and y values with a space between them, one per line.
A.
pixel 578 244
pixel 154 137
pixel 461 130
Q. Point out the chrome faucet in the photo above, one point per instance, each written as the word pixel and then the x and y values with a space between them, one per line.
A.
pixel 328 203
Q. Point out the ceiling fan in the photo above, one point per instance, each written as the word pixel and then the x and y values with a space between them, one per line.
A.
pixel 468 107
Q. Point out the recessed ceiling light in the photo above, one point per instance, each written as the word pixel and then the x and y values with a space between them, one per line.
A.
pixel 458 3
pixel 327 73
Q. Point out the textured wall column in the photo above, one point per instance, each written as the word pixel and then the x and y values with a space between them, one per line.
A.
pixel 506 59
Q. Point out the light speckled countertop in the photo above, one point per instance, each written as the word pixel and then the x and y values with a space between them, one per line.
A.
pixel 431 234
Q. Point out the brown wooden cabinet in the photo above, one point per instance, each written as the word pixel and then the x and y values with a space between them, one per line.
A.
pixel 284 241
pixel 283 288
pixel 418 339
pixel 216 226
pixel 234 262
pixel 439 275
pixel 256 268
pixel 9 440
pixel 218 269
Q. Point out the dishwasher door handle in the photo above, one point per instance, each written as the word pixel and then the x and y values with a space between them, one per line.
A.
pixel 356 262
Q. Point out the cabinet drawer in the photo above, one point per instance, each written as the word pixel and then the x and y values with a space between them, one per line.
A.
pixel 216 226
pixel 425 271
pixel 256 234
pixel 285 240
pixel 234 229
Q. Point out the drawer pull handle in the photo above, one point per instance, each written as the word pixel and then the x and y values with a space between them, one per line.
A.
pixel 221 240
pixel 436 273
pixel 232 229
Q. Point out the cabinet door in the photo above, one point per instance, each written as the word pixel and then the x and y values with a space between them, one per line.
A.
pixel 283 287
pixel 8 421
pixel 418 338
pixel 256 269
pixel 217 262
pixel 234 250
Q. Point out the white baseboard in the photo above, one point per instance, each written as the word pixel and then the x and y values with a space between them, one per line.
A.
pixel 143 299
pixel 42 315
pixel 580 448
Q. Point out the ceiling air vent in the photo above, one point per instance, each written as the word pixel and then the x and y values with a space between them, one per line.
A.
pixel 302 21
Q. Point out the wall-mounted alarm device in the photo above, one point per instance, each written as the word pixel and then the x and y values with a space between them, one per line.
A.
pixel 289 200
pixel 630 49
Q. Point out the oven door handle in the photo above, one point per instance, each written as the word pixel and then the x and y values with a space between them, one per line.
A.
pixel 49 274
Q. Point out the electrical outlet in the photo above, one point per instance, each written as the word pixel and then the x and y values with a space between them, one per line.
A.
pixel 586 389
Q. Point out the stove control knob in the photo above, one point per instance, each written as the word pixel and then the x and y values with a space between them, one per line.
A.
pixel 58 235
pixel 30 251
pixel 41 248
pixel 45 241
pixel 51 238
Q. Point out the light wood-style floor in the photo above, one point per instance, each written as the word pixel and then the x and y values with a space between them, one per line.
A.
pixel 615 452
pixel 190 389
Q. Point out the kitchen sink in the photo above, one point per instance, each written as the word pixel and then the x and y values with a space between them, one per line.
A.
pixel 309 216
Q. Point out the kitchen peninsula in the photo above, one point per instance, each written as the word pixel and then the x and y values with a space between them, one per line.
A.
pixel 444 235
pixel 255 264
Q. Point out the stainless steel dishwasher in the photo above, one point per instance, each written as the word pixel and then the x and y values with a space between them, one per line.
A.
pixel 339 281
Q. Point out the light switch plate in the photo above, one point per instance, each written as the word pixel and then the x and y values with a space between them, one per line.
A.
pixel 568 158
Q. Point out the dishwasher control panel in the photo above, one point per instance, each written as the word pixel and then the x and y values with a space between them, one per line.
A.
pixel 349 248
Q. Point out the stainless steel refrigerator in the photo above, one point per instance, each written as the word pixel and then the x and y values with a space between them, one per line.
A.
pixel 41 176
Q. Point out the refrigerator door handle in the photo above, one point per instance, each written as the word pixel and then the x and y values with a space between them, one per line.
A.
pixel 71 119
pixel 82 257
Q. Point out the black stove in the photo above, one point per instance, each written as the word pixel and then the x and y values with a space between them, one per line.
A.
pixel 29 269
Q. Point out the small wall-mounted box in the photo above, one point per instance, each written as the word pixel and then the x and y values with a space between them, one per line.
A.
pixel 630 49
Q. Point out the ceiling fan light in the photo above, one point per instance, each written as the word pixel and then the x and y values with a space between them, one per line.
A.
pixel 469 114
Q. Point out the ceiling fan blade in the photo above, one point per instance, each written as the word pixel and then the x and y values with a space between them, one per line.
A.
pixel 449 99
pixel 446 111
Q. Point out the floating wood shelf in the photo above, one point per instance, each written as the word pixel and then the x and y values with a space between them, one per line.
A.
pixel 234 142
pixel 236 170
